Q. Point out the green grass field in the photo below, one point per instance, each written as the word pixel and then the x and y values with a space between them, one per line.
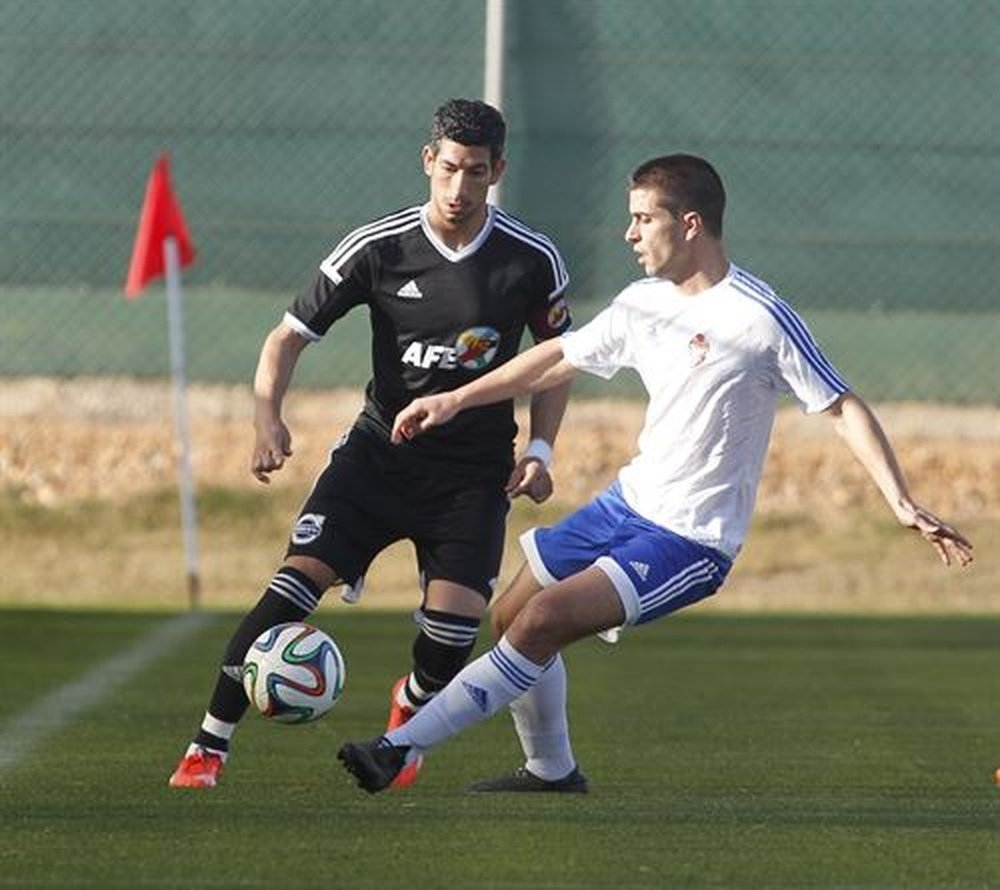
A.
pixel 723 752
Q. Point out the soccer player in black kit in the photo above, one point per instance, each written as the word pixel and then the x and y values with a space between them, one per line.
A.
pixel 449 286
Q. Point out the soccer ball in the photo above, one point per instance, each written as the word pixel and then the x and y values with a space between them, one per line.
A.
pixel 293 673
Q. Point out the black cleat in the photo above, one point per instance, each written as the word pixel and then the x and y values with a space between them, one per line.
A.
pixel 374 763
pixel 522 780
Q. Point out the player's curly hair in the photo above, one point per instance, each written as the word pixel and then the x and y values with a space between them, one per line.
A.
pixel 685 182
pixel 469 122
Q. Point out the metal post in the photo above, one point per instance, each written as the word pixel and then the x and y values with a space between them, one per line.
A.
pixel 493 65
pixel 178 373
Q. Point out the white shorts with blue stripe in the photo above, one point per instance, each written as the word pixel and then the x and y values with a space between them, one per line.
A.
pixel 654 570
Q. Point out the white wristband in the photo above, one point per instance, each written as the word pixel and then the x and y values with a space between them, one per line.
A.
pixel 540 449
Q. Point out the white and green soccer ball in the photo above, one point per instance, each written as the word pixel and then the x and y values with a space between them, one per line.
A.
pixel 293 673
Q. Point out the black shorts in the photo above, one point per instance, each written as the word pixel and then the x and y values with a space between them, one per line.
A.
pixel 372 494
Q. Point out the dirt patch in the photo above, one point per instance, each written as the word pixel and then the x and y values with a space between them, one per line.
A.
pixel 822 539
pixel 68 439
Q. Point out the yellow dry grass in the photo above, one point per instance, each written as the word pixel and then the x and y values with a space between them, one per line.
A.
pixel 89 518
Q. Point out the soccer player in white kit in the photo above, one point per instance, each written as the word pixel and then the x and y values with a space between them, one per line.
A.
pixel 716 348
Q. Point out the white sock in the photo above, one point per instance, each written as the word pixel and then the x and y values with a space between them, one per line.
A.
pixel 412 695
pixel 194 747
pixel 217 727
pixel 541 725
pixel 480 689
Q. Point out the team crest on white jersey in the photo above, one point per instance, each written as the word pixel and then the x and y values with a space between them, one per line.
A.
pixel 698 347
pixel 410 291
pixel 308 528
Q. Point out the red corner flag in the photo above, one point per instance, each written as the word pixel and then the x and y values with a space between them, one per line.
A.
pixel 160 218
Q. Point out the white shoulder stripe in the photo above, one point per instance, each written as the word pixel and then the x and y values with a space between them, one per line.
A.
pixel 514 227
pixel 353 242
pixel 376 225
pixel 543 241
pixel 559 275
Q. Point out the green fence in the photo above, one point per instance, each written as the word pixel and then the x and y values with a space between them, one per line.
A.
pixel 859 141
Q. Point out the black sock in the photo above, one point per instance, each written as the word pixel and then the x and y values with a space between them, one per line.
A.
pixel 440 651
pixel 229 702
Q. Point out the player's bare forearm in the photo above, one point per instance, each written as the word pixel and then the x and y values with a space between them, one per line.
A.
pixel 272 440
pixel 531 475
pixel 533 371
pixel 539 368
pixel 857 424
pixel 547 410
pixel 275 366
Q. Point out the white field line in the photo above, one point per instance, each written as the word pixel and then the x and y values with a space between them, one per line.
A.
pixel 20 735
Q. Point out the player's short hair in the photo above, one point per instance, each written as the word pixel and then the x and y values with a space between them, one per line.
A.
pixel 469 122
pixel 685 182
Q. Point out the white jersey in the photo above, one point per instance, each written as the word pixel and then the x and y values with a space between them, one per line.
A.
pixel 714 365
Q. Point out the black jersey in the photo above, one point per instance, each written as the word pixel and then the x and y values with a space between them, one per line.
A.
pixel 440 318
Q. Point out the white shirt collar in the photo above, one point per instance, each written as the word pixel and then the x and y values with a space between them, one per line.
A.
pixel 455 255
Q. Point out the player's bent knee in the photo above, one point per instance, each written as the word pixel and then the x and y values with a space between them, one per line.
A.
pixel 317 571
pixel 502 615
pixel 498 625
pixel 504 611
pixel 536 630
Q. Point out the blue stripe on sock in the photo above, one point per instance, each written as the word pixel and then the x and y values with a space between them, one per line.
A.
pixel 514 675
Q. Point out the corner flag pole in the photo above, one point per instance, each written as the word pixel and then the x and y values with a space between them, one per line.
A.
pixel 162 248
pixel 182 432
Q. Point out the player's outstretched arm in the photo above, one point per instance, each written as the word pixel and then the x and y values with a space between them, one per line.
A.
pixel 531 475
pixel 272 439
pixel 859 427
pixel 539 368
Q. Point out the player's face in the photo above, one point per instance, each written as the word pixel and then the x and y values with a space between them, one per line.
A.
pixel 661 242
pixel 460 179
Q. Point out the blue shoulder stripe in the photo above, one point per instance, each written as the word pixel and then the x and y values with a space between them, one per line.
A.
pixel 792 325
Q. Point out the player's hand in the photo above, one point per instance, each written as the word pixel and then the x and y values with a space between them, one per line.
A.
pixel 422 414
pixel 273 443
pixel 951 545
pixel 530 477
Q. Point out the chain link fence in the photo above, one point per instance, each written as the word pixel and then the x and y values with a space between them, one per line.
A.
pixel 859 141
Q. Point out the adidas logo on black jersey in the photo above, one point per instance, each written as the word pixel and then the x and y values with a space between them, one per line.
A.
pixel 410 291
